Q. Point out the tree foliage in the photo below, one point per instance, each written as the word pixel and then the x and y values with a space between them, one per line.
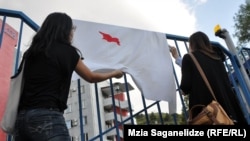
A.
pixel 160 119
pixel 242 24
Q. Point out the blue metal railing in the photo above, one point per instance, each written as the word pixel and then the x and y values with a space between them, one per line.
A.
pixel 20 15
pixel 180 42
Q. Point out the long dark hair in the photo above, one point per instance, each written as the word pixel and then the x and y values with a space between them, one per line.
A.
pixel 56 27
pixel 199 41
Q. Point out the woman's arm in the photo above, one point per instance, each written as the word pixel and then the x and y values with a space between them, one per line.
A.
pixel 92 77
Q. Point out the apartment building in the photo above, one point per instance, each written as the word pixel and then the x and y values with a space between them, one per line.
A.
pixel 91 109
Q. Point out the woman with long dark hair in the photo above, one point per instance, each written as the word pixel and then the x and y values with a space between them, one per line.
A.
pixel 49 64
pixel 211 61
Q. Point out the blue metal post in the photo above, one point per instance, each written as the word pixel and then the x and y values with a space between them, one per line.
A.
pixel 224 34
pixel 80 110
pixel 98 112
pixel 2 30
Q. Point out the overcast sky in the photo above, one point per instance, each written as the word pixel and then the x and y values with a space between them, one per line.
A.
pixel 179 17
pixel 158 15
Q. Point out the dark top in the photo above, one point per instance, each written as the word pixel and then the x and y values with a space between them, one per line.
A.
pixel 193 84
pixel 47 79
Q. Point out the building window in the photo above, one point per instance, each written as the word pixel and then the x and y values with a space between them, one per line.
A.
pixel 82 89
pixel 83 104
pixel 86 136
pixel 69 109
pixel 72 90
pixel 74 122
pixel 68 123
pixel 70 94
pixel 85 120
pixel 75 138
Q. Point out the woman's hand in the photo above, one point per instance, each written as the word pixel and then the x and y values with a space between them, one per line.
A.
pixel 174 52
pixel 117 73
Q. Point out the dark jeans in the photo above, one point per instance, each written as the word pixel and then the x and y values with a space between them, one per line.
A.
pixel 41 125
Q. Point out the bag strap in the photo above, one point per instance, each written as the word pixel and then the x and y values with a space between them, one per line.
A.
pixel 202 74
pixel 19 69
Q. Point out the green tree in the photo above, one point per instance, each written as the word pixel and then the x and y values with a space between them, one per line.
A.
pixel 182 118
pixel 140 119
pixel 153 118
pixel 242 24
pixel 167 118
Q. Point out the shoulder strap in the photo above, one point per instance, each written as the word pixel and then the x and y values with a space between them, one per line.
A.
pixel 20 68
pixel 202 74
